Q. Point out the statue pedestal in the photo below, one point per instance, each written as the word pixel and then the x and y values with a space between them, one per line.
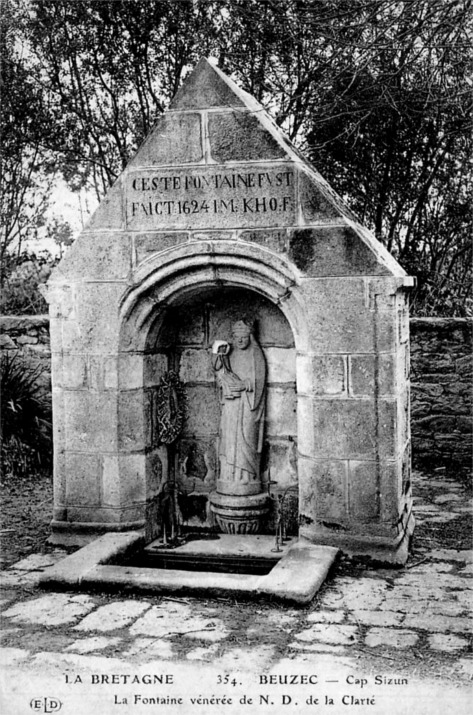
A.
pixel 239 514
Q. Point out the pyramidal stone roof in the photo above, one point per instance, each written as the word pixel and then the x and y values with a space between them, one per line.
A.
pixel 215 161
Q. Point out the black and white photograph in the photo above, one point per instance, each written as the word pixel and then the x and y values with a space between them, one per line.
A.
pixel 236 328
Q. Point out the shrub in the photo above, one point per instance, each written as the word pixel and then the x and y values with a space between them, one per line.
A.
pixel 25 428
pixel 22 276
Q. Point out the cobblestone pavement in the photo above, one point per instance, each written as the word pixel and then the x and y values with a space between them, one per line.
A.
pixel 413 622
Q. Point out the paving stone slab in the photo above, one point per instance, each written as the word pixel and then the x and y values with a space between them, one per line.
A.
pixel 376 618
pixel 430 569
pixel 326 617
pixel 466 556
pixel 466 666
pixel 317 648
pixel 146 648
pixel 19 579
pixel 330 633
pixel 89 645
pixel 51 610
pixel 252 659
pixel 37 562
pixel 447 642
pixel 13 656
pixel 112 616
pixel 347 592
pixel 438 623
pixel 434 583
pixel 391 638
pixel 174 619
pixel 206 654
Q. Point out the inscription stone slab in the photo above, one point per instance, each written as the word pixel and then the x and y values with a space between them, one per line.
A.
pixel 197 198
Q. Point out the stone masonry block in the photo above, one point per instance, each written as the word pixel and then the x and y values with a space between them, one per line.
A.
pixel 304 371
pixel 332 251
pixel 198 463
pixel 281 364
pixel 102 372
pixel 111 478
pixel 95 324
pixel 132 478
pixel 110 213
pixel 74 371
pixel 55 333
pixel 56 369
pixel 134 423
pixel 272 328
pixel 282 462
pixel 107 515
pixel 203 411
pixel 241 137
pixel 305 426
pixel 307 492
pixel 354 429
pixel 276 240
pixel 205 88
pixel 315 204
pixel 175 139
pixel 97 256
pixel 130 371
pixel 154 367
pixel 332 490
pixel 329 374
pixel 342 322
pixel 189 323
pixel 156 467
pixel 83 479
pixel 390 490
pixel 90 421
pixel 214 198
pixel 373 374
pixel 196 366
pixel 281 412
pixel 148 244
pixel 59 484
pixel 364 491
pixel 110 373
pixel 58 418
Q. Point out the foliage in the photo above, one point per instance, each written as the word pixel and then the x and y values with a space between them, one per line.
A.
pixel 25 430
pixel 28 168
pixel 22 277
pixel 376 92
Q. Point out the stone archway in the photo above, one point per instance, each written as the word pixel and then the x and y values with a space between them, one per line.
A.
pixel 174 321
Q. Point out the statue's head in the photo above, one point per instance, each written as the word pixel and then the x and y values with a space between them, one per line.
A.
pixel 241 334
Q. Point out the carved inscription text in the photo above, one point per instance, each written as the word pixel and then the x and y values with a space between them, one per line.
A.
pixel 209 198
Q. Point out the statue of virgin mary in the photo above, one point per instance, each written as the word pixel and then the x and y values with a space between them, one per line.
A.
pixel 241 374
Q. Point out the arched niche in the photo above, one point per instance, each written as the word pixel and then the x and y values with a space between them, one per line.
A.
pixel 170 323
pixel 183 345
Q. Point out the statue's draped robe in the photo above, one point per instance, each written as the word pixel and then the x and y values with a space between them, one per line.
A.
pixel 242 421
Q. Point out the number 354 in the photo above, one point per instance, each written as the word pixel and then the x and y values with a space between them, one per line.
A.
pixel 226 679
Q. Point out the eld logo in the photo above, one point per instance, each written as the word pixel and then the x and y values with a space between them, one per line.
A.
pixel 45 705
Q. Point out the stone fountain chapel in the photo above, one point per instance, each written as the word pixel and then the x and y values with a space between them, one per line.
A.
pixel 219 230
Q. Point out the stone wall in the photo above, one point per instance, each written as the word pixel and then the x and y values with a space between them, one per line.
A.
pixel 441 380
pixel 28 336
pixel 441 394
